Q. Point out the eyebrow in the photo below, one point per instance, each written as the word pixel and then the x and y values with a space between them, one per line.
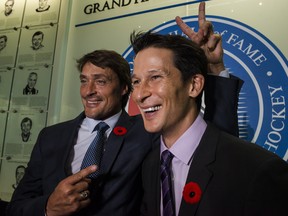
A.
pixel 153 71
pixel 96 76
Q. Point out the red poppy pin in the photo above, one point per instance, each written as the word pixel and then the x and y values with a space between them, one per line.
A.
pixel 192 193
pixel 120 131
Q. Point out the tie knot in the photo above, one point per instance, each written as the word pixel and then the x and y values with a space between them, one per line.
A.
pixel 101 127
pixel 166 157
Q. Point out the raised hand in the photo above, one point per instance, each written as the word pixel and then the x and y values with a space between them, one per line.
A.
pixel 210 42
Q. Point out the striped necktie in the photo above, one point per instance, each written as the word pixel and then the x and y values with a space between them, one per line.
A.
pixel 167 190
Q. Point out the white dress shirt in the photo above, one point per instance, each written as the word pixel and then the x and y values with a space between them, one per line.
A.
pixel 86 136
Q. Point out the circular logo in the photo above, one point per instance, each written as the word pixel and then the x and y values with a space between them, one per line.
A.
pixel 252 57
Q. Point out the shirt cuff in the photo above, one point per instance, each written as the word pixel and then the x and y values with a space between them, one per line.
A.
pixel 224 73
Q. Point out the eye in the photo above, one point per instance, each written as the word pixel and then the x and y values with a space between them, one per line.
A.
pixel 155 77
pixel 82 81
pixel 101 82
pixel 135 82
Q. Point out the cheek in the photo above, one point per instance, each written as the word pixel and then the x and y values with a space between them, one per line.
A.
pixel 133 94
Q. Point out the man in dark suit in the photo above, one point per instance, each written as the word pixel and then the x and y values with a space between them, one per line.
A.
pixel 203 171
pixel 54 182
pixel 8 7
pixel 26 126
pixel 31 82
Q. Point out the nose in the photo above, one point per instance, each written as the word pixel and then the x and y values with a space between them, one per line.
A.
pixel 141 92
pixel 90 88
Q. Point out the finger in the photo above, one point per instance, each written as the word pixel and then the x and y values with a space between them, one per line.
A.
pixel 207 28
pixel 81 175
pixel 85 203
pixel 213 41
pixel 199 39
pixel 82 185
pixel 218 47
pixel 201 14
pixel 184 27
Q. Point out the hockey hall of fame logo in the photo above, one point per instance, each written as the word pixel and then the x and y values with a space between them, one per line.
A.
pixel 262 107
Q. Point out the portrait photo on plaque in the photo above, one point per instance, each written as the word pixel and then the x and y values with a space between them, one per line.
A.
pixel 8 47
pixel 37 45
pixel 11 174
pixel 21 133
pixel 39 12
pixel 31 86
pixel 11 13
pixel 6 76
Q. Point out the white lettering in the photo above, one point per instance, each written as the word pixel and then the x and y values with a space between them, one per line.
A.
pixel 254 54
pixel 277 124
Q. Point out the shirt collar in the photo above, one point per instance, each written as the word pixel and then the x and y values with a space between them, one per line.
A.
pixel 111 121
pixel 185 146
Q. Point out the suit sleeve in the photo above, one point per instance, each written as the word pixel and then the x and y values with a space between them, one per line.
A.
pixel 221 102
pixel 28 198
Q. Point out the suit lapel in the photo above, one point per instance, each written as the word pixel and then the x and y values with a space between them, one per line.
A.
pixel 154 192
pixel 69 140
pixel 114 143
pixel 199 171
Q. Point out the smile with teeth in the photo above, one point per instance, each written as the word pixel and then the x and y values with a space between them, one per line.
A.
pixel 152 109
pixel 93 102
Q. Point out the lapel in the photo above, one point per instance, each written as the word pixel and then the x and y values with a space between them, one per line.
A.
pixel 199 171
pixel 154 193
pixel 115 142
pixel 69 138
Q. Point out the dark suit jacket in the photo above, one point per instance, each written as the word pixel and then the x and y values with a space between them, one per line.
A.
pixel 121 163
pixel 119 192
pixel 27 91
pixel 236 178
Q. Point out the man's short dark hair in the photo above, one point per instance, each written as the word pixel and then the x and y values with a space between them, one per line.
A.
pixel 33 73
pixel 19 167
pixel 188 57
pixel 38 33
pixel 26 119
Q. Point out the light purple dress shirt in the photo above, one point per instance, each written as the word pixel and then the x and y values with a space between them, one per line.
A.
pixel 183 150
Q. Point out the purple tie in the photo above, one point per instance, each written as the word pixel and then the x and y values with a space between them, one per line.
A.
pixel 167 194
pixel 94 153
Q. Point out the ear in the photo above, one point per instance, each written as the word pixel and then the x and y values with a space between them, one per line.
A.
pixel 196 85
pixel 124 90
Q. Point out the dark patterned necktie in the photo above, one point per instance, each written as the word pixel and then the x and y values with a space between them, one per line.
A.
pixel 94 153
pixel 167 190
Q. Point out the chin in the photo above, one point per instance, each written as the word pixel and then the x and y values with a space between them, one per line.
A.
pixel 151 128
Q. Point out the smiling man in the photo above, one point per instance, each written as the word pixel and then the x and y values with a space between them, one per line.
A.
pixel 37 39
pixel 55 182
pixel 209 171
